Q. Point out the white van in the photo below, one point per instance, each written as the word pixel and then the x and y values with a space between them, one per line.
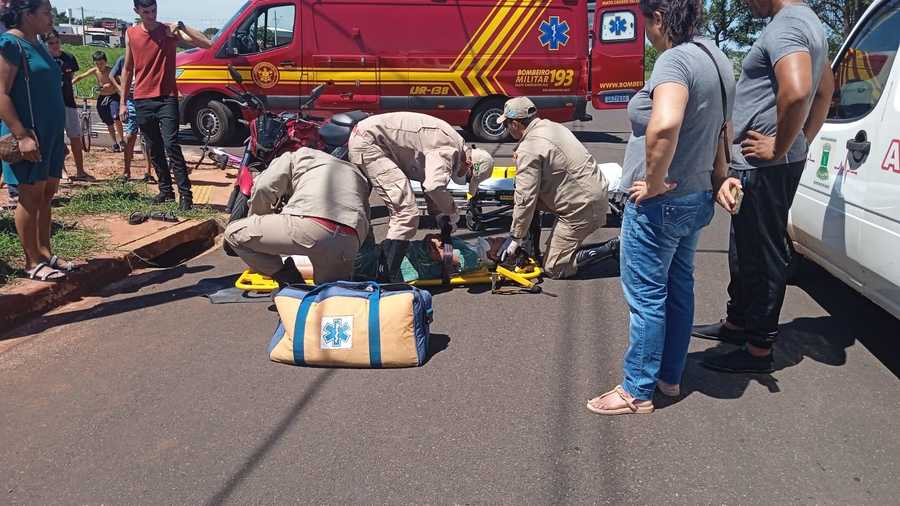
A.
pixel 846 215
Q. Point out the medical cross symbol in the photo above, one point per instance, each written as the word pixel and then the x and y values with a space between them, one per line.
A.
pixel 617 26
pixel 554 33
pixel 336 333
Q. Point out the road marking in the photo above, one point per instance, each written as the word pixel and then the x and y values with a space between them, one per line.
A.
pixel 202 194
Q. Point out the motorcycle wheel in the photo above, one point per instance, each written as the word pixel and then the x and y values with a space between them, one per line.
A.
pixel 231 198
pixel 240 207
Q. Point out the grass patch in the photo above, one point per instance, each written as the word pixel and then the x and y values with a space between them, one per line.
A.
pixel 123 198
pixel 70 242
pixel 66 240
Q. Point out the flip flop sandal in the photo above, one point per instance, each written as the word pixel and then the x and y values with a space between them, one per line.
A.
pixel 43 272
pixel 61 265
pixel 629 408
pixel 138 217
pixel 164 216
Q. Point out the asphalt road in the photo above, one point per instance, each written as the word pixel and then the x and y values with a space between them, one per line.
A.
pixel 149 394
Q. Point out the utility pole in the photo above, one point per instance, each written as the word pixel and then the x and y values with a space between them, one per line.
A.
pixel 83 32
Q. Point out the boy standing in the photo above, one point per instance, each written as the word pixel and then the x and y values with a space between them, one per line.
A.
pixel 109 100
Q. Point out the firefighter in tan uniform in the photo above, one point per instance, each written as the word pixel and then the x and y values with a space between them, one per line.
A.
pixel 396 148
pixel 326 217
pixel 555 173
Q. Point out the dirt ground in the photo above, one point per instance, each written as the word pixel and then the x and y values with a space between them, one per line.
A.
pixel 103 164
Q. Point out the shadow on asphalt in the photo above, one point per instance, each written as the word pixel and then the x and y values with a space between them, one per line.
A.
pixel 436 344
pixel 277 433
pixel 585 136
pixel 132 284
pixel 852 318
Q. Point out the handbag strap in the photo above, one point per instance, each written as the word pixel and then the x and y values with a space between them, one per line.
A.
pixel 27 80
pixel 722 133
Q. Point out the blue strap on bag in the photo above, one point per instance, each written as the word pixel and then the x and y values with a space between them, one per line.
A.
pixel 374 320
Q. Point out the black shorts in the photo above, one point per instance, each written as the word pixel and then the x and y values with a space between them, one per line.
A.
pixel 108 107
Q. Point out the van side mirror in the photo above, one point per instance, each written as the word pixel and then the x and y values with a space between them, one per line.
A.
pixel 235 75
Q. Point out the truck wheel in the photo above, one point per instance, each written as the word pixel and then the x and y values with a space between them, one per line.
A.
pixel 214 119
pixel 484 121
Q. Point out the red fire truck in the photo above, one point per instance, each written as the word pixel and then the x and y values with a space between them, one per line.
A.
pixel 455 59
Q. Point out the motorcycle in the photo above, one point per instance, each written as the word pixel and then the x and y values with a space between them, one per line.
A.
pixel 272 135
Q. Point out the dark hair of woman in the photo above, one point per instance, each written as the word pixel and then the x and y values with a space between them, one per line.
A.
pixel 12 11
pixel 680 18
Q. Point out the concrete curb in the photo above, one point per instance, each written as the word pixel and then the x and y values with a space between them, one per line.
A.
pixel 32 298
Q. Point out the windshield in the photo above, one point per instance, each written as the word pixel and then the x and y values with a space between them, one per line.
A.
pixel 230 21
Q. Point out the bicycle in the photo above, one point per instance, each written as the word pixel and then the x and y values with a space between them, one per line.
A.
pixel 87 132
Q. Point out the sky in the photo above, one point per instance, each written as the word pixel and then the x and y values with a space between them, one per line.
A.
pixel 200 14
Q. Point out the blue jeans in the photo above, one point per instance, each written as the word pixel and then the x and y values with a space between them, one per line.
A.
pixel 658 241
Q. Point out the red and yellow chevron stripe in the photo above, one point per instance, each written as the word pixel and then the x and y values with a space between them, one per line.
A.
pixel 474 71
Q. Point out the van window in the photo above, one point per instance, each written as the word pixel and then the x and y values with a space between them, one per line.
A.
pixel 266 29
pixel 862 71
pixel 230 21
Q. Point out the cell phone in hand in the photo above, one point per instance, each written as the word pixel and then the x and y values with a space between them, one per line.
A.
pixel 738 195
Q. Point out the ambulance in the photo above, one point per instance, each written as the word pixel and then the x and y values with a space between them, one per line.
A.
pixel 458 60
pixel 846 214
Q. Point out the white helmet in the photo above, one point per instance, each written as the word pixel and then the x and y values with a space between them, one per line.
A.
pixel 482 168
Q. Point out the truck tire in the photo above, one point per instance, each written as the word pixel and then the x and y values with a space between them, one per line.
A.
pixel 484 121
pixel 213 118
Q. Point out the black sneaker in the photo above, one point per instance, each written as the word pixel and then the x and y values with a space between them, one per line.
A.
pixel 116 148
pixel 185 205
pixel 740 361
pixel 163 197
pixel 596 254
pixel 719 332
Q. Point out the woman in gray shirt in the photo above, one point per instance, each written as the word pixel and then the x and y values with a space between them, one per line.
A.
pixel 677 122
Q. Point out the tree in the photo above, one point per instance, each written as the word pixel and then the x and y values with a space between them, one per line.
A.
pixel 59 18
pixel 729 24
pixel 210 32
pixel 839 16
pixel 650 55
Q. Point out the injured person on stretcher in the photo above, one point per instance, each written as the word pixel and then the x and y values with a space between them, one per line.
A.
pixel 424 260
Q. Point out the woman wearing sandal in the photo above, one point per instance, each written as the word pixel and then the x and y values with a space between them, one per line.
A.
pixel 32 109
pixel 688 97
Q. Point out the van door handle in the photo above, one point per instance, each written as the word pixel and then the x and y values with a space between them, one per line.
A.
pixel 288 63
pixel 859 147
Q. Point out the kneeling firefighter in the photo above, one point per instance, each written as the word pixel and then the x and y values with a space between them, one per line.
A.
pixel 326 217
pixel 557 174
pixel 395 148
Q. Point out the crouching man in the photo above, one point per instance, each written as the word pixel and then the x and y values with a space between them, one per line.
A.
pixel 325 217
pixel 398 147
pixel 557 174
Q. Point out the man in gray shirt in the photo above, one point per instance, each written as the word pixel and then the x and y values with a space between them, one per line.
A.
pixel 782 99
